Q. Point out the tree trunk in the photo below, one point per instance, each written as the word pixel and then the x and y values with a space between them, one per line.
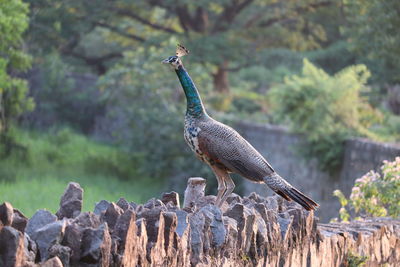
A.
pixel 220 78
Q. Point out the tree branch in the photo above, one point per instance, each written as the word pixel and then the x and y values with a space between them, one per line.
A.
pixel 119 31
pixel 229 14
pixel 144 21
pixel 97 62
pixel 300 9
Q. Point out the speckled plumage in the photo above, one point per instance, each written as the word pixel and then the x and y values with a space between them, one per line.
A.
pixel 224 149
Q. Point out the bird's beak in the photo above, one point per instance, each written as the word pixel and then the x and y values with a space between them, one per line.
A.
pixel 165 61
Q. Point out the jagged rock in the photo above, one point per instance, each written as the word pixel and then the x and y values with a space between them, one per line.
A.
pixel 245 219
pixel 96 246
pixel 6 214
pixel 38 220
pixel 122 227
pixel 53 262
pixel 87 219
pixel 153 203
pixel 213 221
pixel 12 252
pixel 62 252
pixel 101 207
pixel 133 205
pixel 233 199
pixel 183 222
pixel 123 204
pixel 71 201
pixel 129 240
pixel 171 197
pixel 47 236
pixel 112 214
pixel 194 191
pixel 19 221
pixel 72 239
pixel 196 222
pixel 248 231
pixel 30 249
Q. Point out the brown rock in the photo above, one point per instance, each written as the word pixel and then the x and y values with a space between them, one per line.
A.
pixel 53 262
pixel 19 221
pixel 6 214
pixel 171 197
pixel 12 251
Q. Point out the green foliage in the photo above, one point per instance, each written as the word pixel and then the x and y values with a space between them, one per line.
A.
pixel 325 109
pixel 374 194
pixel 221 32
pixel 372 31
pixel 37 178
pixel 13 91
pixel 62 94
pixel 355 260
pixel 145 111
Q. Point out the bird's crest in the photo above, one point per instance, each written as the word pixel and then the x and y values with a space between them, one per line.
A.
pixel 181 51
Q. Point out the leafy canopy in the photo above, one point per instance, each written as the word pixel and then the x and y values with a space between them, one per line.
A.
pixel 13 91
pixel 326 109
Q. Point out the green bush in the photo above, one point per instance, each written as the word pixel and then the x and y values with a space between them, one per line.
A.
pixel 374 194
pixel 325 109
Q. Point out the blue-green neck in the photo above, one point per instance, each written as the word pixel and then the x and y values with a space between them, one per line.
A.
pixel 194 107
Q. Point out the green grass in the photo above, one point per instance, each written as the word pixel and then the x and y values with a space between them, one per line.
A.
pixel 36 177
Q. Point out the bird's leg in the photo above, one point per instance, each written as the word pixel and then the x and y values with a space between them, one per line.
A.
pixel 221 183
pixel 230 185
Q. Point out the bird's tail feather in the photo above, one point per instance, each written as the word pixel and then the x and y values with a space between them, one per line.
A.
pixel 288 192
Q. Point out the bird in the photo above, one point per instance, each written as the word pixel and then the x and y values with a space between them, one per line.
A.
pixel 223 148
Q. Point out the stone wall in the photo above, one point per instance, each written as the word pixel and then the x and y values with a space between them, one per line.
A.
pixel 249 231
pixel 278 146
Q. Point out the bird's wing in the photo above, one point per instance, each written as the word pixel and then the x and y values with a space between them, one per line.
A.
pixel 223 144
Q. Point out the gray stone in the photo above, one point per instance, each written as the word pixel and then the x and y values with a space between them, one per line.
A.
pixel 182 217
pixel 62 252
pixel 87 219
pixel 71 201
pixel 111 215
pixel 213 220
pixel 153 203
pixel 101 207
pixel 96 246
pixel 123 204
pixel 6 214
pixel 12 252
pixel 133 205
pixel 72 239
pixel 38 220
pixel 47 236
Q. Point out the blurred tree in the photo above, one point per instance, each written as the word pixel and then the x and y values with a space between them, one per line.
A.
pixel 13 91
pixel 373 29
pixel 225 34
pixel 326 110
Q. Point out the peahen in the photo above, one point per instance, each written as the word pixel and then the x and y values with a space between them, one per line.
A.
pixel 224 149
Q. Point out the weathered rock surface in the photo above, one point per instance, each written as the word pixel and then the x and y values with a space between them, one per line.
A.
pixel 38 220
pixel 248 231
pixel 71 201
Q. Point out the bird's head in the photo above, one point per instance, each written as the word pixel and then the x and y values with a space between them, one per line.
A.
pixel 176 61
